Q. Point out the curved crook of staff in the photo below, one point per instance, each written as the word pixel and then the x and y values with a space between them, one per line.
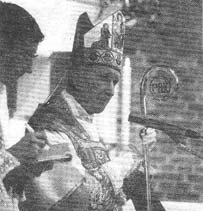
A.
pixel 144 146
pixel 143 107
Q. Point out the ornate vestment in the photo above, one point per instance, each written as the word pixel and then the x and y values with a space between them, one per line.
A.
pixel 91 180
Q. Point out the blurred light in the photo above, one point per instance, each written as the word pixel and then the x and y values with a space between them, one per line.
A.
pixel 16 128
pixel 126 101
pixel 57 20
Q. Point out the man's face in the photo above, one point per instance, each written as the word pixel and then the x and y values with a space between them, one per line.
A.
pixel 17 59
pixel 97 84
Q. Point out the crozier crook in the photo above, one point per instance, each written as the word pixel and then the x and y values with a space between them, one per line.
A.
pixel 143 107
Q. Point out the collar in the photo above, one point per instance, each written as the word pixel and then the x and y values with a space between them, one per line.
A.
pixel 77 110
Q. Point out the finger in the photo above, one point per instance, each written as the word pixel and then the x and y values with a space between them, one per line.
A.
pixel 38 139
pixel 38 136
pixel 148 140
pixel 41 135
pixel 37 142
pixel 150 135
pixel 36 149
pixel 151 131
pixel 147 131
pixel 151 145
pixel 22 198
pixel 142 132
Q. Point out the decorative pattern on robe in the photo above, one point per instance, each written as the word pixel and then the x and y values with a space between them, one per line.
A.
pixel 65 122
pixel 92 154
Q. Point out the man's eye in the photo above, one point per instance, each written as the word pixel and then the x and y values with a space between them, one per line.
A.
pixel 31 55
pixel 115 82
pixel 35 55
pixel 104 77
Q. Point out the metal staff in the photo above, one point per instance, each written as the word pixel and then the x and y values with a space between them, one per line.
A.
pixel 143 107
pixel 144 146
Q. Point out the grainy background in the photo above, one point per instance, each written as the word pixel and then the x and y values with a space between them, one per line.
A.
pixel 169 34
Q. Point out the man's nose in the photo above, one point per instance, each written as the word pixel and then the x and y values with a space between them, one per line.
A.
pixel 29 66
pixel 110 89
pixel 29 70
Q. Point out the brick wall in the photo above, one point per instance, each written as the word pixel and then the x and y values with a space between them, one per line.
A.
pixel 179 175
pixel 175 40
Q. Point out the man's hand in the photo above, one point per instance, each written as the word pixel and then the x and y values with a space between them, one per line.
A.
pixel 148 136
pixel 26 151
pixel 134 187
pixel 37 142
pixel 15 181
pixel 29 147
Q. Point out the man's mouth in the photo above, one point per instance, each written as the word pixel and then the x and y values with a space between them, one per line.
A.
pixel 104 100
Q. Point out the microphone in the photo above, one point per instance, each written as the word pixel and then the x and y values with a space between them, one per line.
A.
pixel 167 128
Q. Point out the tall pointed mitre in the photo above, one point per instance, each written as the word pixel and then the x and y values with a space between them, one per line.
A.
pixel 101 44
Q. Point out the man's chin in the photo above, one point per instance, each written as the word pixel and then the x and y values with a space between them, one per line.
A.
pixel 100 109
pixel 96 110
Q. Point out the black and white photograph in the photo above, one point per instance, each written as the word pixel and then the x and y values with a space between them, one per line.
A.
pixel 101 105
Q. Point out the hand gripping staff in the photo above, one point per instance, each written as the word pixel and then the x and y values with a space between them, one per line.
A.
pixel 143 107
